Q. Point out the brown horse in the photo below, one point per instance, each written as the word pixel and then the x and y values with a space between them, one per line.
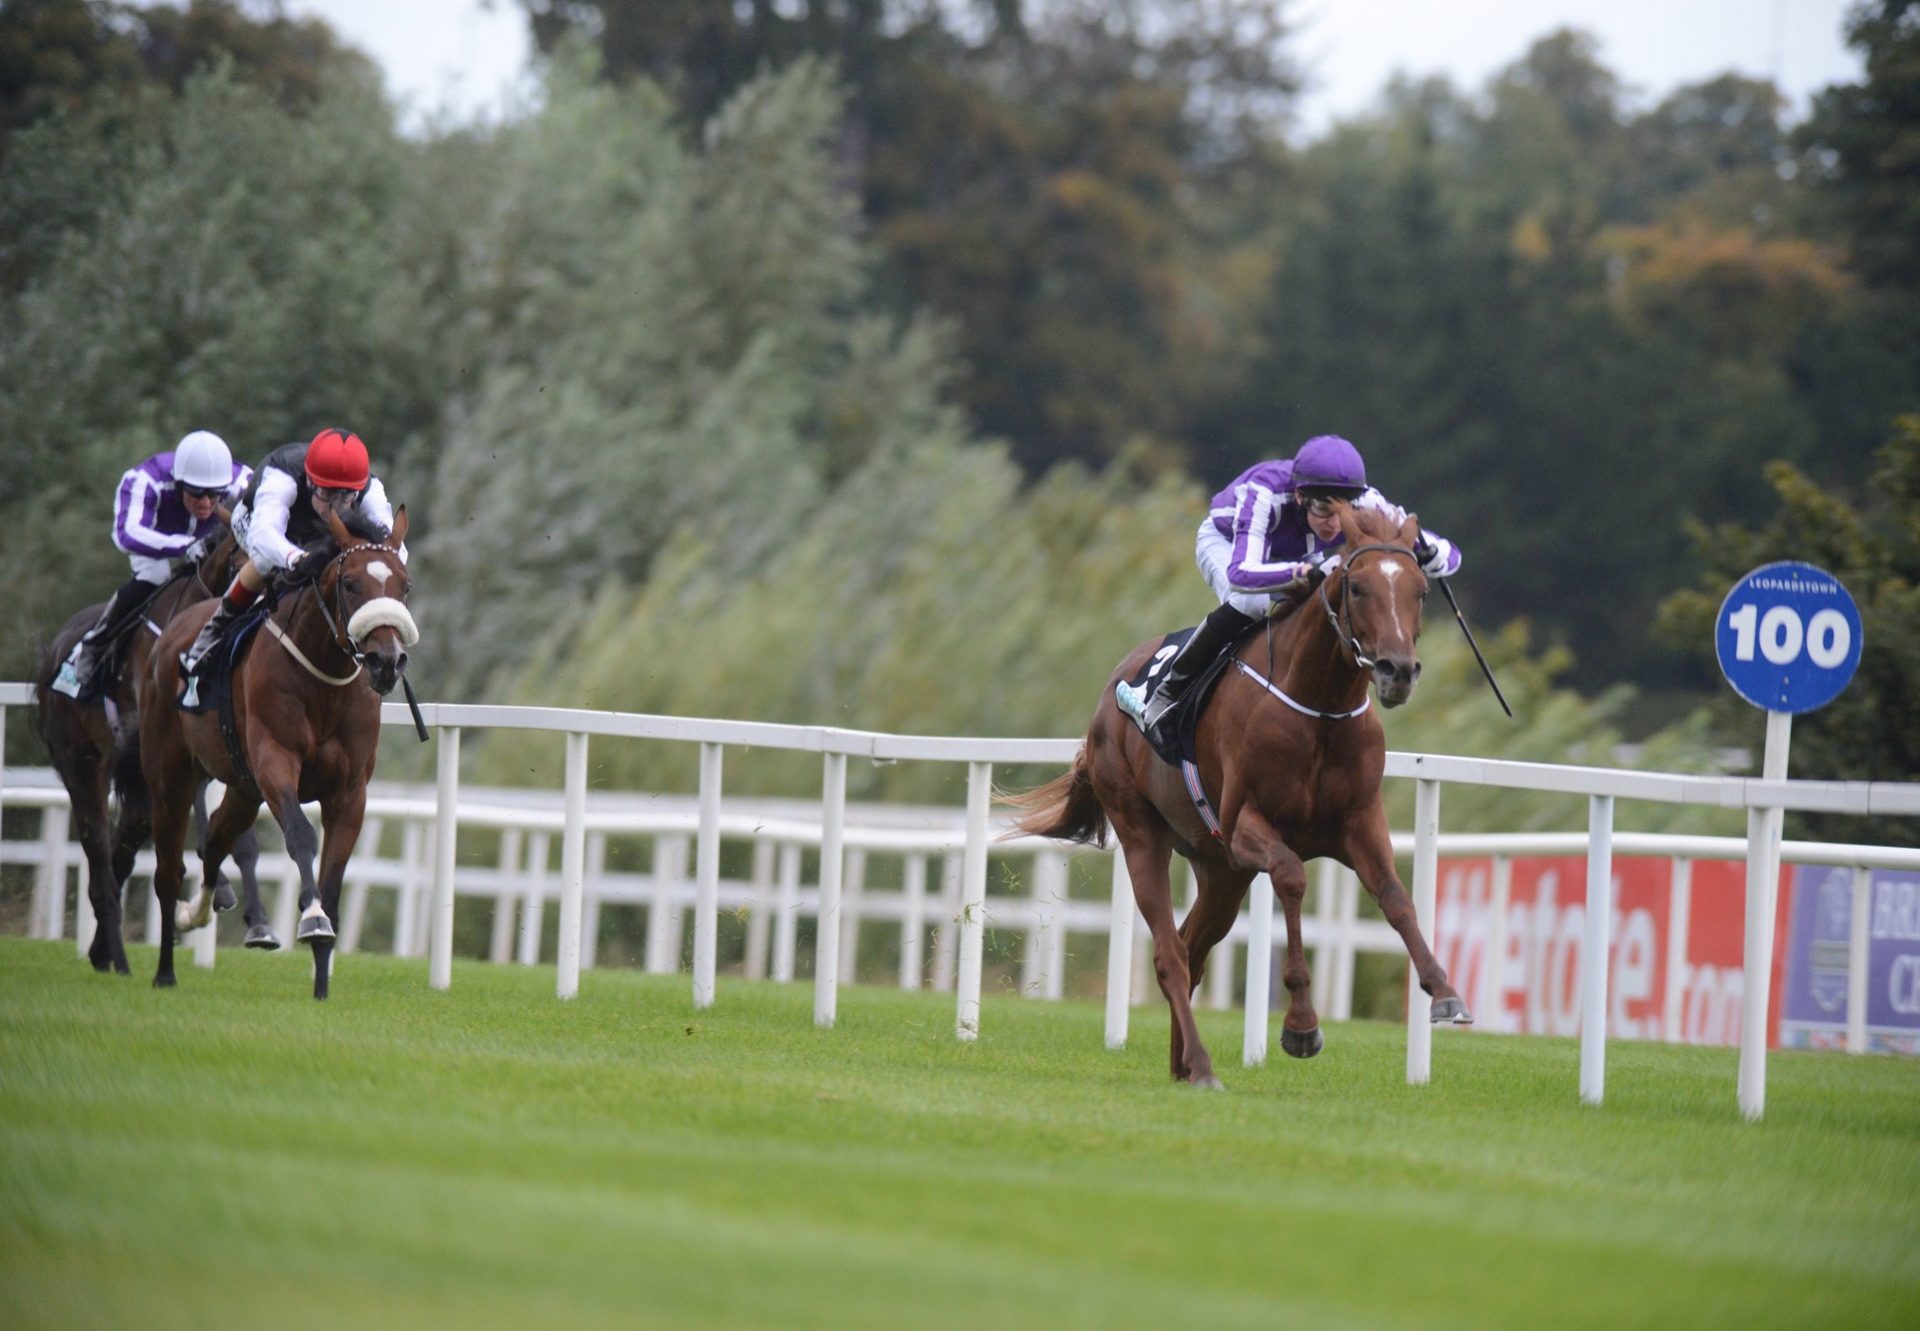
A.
pixel 95 747
pixel 1290 754
pixel 308 727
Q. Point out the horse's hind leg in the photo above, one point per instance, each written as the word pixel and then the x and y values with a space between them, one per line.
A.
pixel 235 814
pixel 1256 842
pixel 1370 854
pixel 1148 856
pixel 211 878
pixel 172 811
pixel 87 796
pixel 1219 890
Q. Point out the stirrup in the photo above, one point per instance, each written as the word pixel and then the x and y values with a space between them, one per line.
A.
pixel 1132 702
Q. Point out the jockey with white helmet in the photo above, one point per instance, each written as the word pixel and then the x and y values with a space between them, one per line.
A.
pixel 283 512
pixel 165 509
pixel 1274 527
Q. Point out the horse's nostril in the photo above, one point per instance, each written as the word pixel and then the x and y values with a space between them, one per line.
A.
pixel 400 663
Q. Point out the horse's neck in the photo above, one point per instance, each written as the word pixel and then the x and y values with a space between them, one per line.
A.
pixel 1310 663
pixel 304 621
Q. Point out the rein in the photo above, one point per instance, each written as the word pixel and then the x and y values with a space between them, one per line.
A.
pixel 340 636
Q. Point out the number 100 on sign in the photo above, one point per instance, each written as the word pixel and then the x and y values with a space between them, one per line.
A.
pixel 1788 637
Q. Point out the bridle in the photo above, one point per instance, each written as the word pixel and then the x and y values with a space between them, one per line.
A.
pixel 336 615
pixel 1343 618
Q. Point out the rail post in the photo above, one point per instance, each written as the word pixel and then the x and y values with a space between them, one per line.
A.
pixel 706 903
pixel 1253 1047
pixel 826 936
pixel 573 868
pixel 1763 883
pixel 1594 949
pixel 1857 956
pixel 1426 895
pixel 1120 915
pixel 973 903
pixel 445 822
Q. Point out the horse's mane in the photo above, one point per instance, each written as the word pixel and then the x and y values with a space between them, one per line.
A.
pixel 1373 524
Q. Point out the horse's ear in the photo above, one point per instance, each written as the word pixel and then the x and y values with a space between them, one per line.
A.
pixel 342 538
pixel 399 534
pixel 1410 531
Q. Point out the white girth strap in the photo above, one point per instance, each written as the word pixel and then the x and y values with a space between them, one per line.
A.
pixel 301 657
pixel 1302 708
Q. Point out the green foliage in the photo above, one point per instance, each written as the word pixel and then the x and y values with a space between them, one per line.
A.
pixel 1872 544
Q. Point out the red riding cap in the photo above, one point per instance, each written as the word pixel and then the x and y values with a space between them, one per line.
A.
pixel 337 460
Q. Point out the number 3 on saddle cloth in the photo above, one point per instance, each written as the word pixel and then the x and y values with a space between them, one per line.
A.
pixel 210 688
pixel 1173 738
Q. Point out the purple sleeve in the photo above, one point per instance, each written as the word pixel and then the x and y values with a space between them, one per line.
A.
pixel 1249 569
pixel 136 515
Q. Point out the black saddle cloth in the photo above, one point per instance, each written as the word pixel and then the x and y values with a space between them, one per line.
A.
pixel 1173 738
pixel 215 675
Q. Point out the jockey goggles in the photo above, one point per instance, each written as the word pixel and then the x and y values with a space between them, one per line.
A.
pixel 199 492
pixel 1319 505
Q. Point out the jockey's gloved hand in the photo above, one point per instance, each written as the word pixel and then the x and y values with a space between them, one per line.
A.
pixel 1434 555
pixel 196 552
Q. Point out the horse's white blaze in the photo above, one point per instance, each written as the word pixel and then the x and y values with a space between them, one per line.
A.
pixel 381 612
pixel 1393 571
pixel 380 570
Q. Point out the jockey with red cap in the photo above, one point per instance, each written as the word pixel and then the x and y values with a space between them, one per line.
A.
pixel 165 509
pixel 284 513
pixel 1274 527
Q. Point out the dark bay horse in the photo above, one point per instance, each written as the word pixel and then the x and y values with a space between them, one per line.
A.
pixel 95 747
pixel 1291 756
pixel 306 708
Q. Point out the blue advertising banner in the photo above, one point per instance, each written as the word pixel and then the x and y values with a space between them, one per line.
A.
pixel 1814 1013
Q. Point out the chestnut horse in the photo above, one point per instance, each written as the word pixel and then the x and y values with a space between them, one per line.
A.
pixel 1290 754
pixel 95 747
pixel 308 727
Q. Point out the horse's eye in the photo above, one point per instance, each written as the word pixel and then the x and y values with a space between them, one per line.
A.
pixel 353 586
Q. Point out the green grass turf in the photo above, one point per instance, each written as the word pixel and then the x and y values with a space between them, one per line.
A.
pixel 234 1154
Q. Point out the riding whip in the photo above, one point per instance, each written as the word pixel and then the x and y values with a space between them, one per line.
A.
pixel 421 725
pixel 1485 669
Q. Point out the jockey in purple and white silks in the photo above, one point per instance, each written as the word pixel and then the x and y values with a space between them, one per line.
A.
pixel 165 509
pixel 1272 528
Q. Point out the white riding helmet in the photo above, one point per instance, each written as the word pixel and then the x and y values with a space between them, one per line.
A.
pixel 203 461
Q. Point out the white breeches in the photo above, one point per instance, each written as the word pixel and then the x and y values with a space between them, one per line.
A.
pixel 155 572
pixel 1214 553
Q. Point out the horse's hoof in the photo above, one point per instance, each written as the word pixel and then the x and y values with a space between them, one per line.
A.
pixel 1450 1011
pixel 262 937
pixel 1206 1083
pixel 223 897
pixel 100 964
pixel 314 929
pixel 164 981
pixel 1302 1044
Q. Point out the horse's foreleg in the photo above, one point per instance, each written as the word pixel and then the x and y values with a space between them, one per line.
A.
pixel 87 797
pixel 172 810
pixel 246 859
pixel 1255 841
pixel 1370 854
pixel 277 772
pixel 1153 893
pixel 213 882
pixel 342 813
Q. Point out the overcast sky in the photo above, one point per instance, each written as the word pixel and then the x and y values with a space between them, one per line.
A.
pixel 463 55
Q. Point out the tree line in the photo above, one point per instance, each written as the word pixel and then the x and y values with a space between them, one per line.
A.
pixel 870 363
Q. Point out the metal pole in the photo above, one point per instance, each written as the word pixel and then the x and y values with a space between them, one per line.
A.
pixel 573 868
pixel 1763 884
pixel 440 923
pixel 1857 964
pixel 973 902
pixel 706 902
pixel 1426 894
pixel 1253 1045
pixel 826 936
pixel 1595 948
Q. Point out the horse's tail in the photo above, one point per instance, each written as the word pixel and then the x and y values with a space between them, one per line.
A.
pixel 1065 807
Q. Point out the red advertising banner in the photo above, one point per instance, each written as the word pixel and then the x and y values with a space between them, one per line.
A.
pixel 1689 993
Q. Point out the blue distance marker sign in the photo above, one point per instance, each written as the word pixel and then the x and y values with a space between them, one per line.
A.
pixel 1788 637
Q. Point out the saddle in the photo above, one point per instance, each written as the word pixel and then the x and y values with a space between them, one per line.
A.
pixel 1173 737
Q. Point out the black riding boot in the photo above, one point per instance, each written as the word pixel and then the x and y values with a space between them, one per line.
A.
pixel 76 677
pixel 1211 638
pixel 209 634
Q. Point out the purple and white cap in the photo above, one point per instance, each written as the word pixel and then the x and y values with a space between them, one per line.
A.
pixel 1328 462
